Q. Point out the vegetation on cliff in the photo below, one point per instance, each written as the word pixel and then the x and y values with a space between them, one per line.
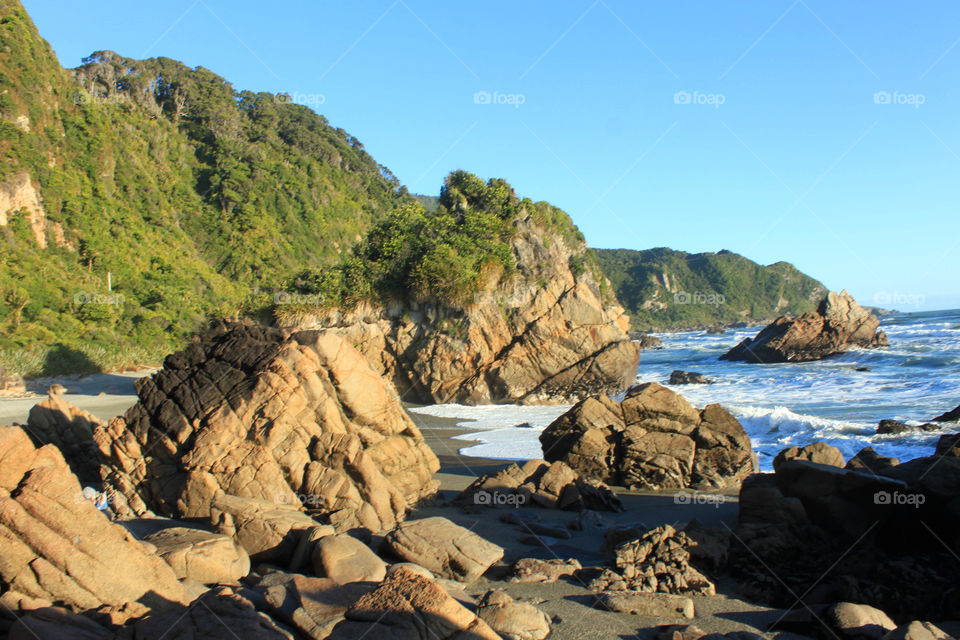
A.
pixel 663 289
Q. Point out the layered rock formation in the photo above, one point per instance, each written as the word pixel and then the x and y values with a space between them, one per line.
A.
pixel 546 335
pixel 838 324
pixel 254 413
pixel 654 439
pixel 55 421
pixel 56 546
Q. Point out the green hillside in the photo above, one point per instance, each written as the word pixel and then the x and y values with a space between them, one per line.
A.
pixel 182 191
pixel 663 289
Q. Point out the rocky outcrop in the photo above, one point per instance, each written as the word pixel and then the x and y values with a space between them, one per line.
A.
pixel 257 414
pixel 654 439
pixel 57 548
pixel 646 341
pixel 57 422
pixel 445 548
pixel 545 336
pixel 207 558
pixel 539 483
pixel 688 377
pixel 219 614
pixel 950 416
pixel 838 324
pixel 883 530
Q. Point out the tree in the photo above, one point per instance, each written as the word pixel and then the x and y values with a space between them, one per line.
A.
pixel 17 299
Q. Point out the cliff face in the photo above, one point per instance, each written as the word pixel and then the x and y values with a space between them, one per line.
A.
pixel 545 335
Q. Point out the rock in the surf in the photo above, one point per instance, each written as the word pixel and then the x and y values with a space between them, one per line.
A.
pixel 688 377
pixel 819 452
pixel 838 324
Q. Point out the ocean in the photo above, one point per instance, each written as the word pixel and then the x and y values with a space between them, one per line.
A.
pixel 780 405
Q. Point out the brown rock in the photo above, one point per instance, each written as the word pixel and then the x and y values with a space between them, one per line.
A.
pixel 838 323
pixel 208 558
pixel 57 547
pixel 819 452
pixel 651 605
pixel 253 412
pixel 268 532
pixel 59 624
pixel 55 421
pixel 859 621
pixel 654 439
pixel 220 614
pixel 344 559
pixel 870 461
pixel 407 605
pixel 918 630
pixel 543 571
pixel 446 549
pixel 511 619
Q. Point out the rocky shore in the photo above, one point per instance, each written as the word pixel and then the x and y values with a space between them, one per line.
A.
pixel 269 484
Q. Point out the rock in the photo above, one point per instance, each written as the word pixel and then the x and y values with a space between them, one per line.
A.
pixel 658 561
pixel 511 619
pixel 918 630
pixel 688 377
pixel 56 390
pixel 539 483
pixel 522 341
pixel 307 540
pixel 949 445
pixel 872 462
pixel 268 532
pixel 819 452
pixel 57 547
pixel 543 571
pixel 250 411
pixel 11 384
pixel 445 548
pixel 646 341
pixel 208 558
pixel 949 416
pixel 415 568
pixel 57 422
pixel 838 324
pixel 653 439
pixel 651 605
pixel 407 605
pixel 680 632
pixel 343 559
pixel 859 621
pixel 223 615
pixel 60 624
pixel 892 427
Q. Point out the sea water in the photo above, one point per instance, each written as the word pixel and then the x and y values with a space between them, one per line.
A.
pixel 780 405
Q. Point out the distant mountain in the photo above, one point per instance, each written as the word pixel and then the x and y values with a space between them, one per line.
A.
pixel 664 289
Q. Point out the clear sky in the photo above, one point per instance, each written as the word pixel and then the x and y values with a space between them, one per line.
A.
pixel 819 132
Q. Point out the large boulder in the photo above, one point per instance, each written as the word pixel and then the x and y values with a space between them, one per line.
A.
pixel 553 333
pixel 55 421
pixel 203 556
pixel 654 439
pixel 254 412
pixel 58 548
pixel 838 323
pixel 511 619
pixel 819 452
pixel 219 614
pixel 445 548
pixel 859 621
pixel 345 559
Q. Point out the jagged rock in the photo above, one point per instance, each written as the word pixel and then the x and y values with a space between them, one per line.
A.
pixel 949 416
pixel 343 559
pixel 253 412
pixel 819 452
pixel 949 445
pixel 57 422
pixel 58 548
pixel 268 532
pixel 838 324
pixel 539 483
pixel 60 624
pixel 688 377
pixel 544 571
pixel 653 439
pixel 894 427
pixel 646 341
pixel 918 630
pixel 870 461
pixel 651 605
pixel 658 561
pixel 208 558
pixel 547 335
pixel 859 621
pixel 445 548
pixel 220 614
pixel 511 619
pixel 407 605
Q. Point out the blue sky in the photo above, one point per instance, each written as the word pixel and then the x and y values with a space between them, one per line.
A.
pixel 821 133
